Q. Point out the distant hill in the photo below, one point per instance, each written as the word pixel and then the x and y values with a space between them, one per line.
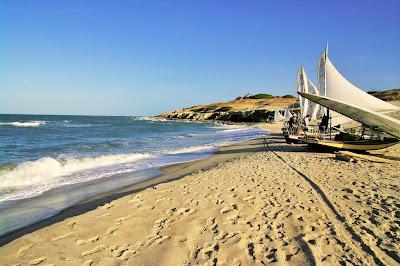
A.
pixel 249 108
pixel 388 95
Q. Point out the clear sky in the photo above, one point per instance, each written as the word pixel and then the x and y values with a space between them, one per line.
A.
pixel 146 57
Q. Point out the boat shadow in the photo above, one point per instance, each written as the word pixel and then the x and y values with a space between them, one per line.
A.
pixel 265 145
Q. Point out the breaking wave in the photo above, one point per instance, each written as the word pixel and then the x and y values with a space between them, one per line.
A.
pixel 48 168
pixel 24 124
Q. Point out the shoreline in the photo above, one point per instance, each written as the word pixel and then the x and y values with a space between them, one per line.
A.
pixel 168 173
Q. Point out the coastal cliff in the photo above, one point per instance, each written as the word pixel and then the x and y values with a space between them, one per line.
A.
pixel 250 108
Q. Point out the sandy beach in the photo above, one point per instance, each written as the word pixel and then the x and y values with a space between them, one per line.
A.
pixel 152 133
pixel 259 202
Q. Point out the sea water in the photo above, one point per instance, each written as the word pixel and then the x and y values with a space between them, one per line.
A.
pixel 77 157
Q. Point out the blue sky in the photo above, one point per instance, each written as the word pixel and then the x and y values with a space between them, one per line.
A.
pixel 146 57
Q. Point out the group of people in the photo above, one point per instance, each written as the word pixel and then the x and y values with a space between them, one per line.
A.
pixel 295 122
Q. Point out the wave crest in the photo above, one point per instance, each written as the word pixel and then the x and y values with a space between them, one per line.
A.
pixel 48 168
pixel 24 124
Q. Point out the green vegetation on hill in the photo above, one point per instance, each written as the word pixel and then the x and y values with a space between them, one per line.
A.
pixel 224 109
pixel 262 96
pixel 288 96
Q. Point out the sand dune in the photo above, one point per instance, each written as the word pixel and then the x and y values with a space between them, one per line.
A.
pixel 280 204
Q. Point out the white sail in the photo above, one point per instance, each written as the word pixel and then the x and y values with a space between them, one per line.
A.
pixel 313 108
pixel 333 85
pixel 363 115
pixel 302 85
pixel 278 117
pixel 307 108
pixel 287 114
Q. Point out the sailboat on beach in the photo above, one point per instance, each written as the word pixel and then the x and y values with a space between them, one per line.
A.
pixel 335 103
pixel 372 134
pixel 278 117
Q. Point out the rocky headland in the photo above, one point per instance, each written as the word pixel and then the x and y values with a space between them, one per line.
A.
pixel 253 108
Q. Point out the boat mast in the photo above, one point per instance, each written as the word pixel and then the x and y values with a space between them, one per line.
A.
pixel 327 110
pixel 326 57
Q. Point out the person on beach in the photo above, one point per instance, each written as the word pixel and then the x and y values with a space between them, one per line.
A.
pixel 306 122
pixel 323 126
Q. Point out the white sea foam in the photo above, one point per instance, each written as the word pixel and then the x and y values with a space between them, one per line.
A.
pixel 192 149
pixel 153 119
pixel 24 124
pixel 48 169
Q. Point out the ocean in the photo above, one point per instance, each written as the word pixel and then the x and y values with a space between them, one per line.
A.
pixel 50 162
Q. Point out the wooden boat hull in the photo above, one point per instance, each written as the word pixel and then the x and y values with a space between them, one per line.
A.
pixel 355 145
pixel 296 139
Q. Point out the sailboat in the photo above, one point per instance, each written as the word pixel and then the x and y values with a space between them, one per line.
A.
pixel 308 110
pixel 376 123
pixel 278 117
pixel 332 84
pixel 287 114
pixel 340 101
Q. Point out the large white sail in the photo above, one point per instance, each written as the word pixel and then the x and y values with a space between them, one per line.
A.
pixel 307 108
pixel 301 83
pixel 333 85
pixel 363 115
pixel 313 108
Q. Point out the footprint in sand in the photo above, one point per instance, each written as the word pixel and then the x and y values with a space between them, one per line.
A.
pixel 150 240
pixel 212 224
pixel 250 199
pixel 71 224
pixel 24 250
pixel 163 199
pixel 107 206
pixel 122 219
pixel 111 230
pixel 87 241
pixel 116 251
pixel 37 261
pixel 171 211
pixel 209 250
pixel 185 211
pixel 159 224
pixel 62 236
pixel 88 263
pixel 94 250
pixel 104 215
pixel 221 235
pixel 137 198
pixel 127 254
pixel 228 208
pixel 162 240
pixel 271 255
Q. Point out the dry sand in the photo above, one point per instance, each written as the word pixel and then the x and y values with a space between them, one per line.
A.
pixel 252 204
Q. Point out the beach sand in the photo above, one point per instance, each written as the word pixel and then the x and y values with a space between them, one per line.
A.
pixel 248 204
